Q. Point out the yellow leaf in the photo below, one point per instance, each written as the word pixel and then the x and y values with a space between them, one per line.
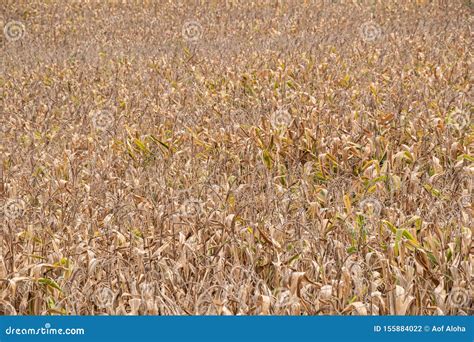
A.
pixel 267 159
pixel 347 203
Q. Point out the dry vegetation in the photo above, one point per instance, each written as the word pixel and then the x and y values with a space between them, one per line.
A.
pixel 266 157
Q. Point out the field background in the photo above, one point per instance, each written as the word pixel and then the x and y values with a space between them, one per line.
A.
pixel 236 157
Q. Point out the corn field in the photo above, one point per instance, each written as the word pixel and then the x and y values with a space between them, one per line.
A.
pixel 236 157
